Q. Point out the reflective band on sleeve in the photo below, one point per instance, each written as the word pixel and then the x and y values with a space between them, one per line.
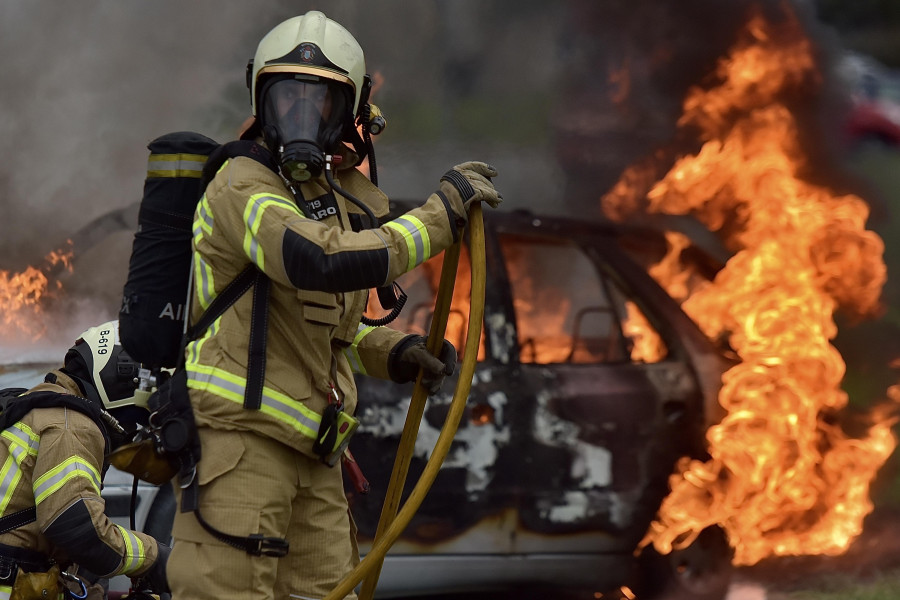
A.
pixel 204 217
pixel 5 592
pixel 275 404
pixel 253 213
pixel 22 442
pixel 204 282
pixel 10 474
pixel 417 241
pixel 56 477
pixel 176 165
pixel 134 552
pixel 22 435
pixel 352 351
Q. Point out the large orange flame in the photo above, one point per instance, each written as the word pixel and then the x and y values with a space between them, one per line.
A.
pixel 23 296
pixel 783 477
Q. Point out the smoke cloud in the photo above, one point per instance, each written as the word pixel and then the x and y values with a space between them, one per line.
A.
pixel 561 97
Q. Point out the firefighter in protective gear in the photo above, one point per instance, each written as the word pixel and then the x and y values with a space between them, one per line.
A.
pixel 260 471
pixel 53 451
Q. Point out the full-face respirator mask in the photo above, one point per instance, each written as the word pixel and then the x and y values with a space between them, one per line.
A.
pixel 303 117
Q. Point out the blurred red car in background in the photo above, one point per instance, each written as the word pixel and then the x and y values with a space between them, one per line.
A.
pixel 874 115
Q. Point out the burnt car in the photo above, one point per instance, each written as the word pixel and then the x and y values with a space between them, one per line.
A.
pixel 591 382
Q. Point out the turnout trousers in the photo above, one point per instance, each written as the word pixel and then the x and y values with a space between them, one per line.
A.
pixel 254 484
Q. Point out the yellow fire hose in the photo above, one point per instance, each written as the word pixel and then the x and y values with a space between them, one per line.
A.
pixel 391 524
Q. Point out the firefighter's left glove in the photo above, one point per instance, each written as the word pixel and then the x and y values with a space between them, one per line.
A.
pixel 470 182
pixel 410 354
pixel 155 578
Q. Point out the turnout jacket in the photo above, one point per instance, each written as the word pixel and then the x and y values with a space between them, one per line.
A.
pixel 320 272
pixel 53 459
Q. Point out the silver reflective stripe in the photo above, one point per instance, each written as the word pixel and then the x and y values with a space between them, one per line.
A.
pixel 415 233
pixel 134 551
pixel 252 219
pixel 21 437
pixel 73 467
pixel 418 244
pixel 253 227
pixel 205 217
pixel 21 444
pixel 18 453
pixel 352 351
pixel 205 289
pixel 355 361
pixel 175 165
pixel 237 391
pixel 260 200
pixel 11 475
pixel 194 347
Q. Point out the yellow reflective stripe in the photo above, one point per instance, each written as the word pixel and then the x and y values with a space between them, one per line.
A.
pixel 134 552
pixel 193 350
pixel 5 592
pixel 203 274
pixel 22 435
pixel 415 233
pixel 352 351
pixel 253 213
pixel 274 404
pixel 176 165
pixel 10 474
pixel 203 218
pixel 56 477
pixel 204 281
pixel 22 442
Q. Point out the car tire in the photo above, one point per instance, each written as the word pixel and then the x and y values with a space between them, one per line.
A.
pixel 702 571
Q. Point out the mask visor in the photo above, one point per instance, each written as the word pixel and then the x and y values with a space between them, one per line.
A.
pixel 307 113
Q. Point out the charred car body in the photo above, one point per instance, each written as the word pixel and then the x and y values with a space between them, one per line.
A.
pixel 591 383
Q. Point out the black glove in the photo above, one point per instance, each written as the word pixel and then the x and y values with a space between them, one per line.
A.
pixel 470 182
pixel 410 354
pixel 155 578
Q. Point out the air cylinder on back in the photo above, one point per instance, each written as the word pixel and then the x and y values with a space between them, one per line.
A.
pixel 151 319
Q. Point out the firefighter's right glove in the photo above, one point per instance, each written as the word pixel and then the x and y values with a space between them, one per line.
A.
pixel 155 578
pixel 410 354
pixel 468 183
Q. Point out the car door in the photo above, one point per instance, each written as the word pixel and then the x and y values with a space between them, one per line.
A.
pixel 598 395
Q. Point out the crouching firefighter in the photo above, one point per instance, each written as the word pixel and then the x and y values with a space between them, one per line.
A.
pixel 55 540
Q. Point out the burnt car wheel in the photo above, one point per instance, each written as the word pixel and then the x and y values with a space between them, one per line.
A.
pixel 702 571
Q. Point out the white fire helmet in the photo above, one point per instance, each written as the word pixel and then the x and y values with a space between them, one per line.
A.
pixel 113 373
pixel 311 44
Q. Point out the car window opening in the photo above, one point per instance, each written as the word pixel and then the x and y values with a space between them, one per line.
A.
pixel 567 312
